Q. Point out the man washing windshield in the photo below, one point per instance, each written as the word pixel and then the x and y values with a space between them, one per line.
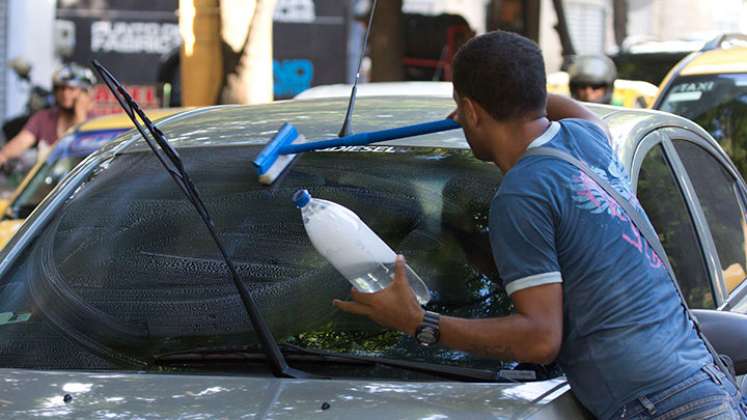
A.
pixel 588 291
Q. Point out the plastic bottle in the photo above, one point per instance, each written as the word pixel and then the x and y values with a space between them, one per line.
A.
pixel 352 247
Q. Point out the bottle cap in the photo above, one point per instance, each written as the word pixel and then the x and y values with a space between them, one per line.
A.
pixel 301 198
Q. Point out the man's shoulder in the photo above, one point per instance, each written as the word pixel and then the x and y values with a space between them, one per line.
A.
pixel 534 175
pixel 46 114
pixel 588 127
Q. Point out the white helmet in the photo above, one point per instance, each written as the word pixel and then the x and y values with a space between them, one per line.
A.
pixel 73 75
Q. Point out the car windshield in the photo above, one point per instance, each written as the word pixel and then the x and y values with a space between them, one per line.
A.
pixel 126 273
pixel 42 182
pixel 718 103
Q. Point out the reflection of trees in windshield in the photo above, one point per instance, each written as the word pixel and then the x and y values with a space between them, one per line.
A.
pixel 719 105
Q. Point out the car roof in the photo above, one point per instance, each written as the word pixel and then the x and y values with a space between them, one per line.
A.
pixel 439 89
pixel 322 118
pixel 722 60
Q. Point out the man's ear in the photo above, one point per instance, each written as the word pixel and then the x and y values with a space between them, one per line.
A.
pixel 471 111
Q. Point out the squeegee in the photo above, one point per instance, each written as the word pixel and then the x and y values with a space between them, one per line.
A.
pixel 287 143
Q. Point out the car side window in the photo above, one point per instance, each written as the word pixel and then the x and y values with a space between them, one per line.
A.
pixel 665 206
pixel 718 193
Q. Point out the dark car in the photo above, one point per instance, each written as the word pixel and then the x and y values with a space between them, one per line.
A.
pixel 115 301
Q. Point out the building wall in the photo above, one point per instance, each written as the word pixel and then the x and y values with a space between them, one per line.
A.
pixel 591 23
pixel 663 20
pixel 590 26
pixel 29 32
pixel 3 54
pixel 472 10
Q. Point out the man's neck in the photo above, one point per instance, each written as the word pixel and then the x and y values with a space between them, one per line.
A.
pixel 65 120
pixel 516 137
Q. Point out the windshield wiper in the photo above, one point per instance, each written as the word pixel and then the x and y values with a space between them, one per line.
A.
pixel 296 353
pixel 171 160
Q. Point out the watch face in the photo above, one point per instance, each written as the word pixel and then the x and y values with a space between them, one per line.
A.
pixel 426 336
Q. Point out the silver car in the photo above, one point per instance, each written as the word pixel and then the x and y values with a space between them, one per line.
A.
pixel 114 301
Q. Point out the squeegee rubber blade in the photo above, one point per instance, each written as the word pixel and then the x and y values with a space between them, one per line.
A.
pixel 267 157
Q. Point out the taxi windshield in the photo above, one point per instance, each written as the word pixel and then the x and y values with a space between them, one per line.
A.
pixel 40 185
pixel 718 103
pixel 127 270
pixel 68 152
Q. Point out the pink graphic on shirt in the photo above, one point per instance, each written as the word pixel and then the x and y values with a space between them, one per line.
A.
pixel 589 196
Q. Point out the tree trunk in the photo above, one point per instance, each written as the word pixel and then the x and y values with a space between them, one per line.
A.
pixel 565 35
pixel 248 77
pixel 386 43
pixel 200 55
pixel 620 17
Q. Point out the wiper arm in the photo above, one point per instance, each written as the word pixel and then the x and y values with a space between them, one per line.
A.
pixel 171 160
pixel 444 371
pixel 302 354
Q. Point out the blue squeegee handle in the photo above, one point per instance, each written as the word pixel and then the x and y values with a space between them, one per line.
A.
pixel 361 139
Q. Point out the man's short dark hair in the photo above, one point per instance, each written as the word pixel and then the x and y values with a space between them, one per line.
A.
pixel 504 73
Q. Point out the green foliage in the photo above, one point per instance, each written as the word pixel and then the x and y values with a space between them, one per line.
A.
pixel 331 339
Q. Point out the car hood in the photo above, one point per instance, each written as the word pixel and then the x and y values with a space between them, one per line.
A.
pixel 27 393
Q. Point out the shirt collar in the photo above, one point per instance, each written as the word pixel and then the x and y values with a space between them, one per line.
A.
pixel 546 136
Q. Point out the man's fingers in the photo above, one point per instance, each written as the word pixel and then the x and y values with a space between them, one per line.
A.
pixel 352 307
pixel 361 297
pixel 400 274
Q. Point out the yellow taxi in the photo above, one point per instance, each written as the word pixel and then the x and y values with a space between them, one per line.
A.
pixel 709 87
pixel 627 93
pixel 54 164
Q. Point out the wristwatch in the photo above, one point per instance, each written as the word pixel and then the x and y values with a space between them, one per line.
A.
pixel 427 332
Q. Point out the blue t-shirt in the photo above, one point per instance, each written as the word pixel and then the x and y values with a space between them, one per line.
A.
pixel 625 332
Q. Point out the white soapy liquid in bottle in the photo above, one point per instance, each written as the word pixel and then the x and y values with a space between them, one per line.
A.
pixel 352 247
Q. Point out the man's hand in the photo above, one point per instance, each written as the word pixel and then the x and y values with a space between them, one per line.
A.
pixel 393 307
pixel 560 107
pixel 16 146
pixel 83 106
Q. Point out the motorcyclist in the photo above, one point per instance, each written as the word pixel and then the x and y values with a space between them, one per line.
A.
pixel 72 84
pixel 592 79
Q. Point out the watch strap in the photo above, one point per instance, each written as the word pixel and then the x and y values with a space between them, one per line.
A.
pixel 431 319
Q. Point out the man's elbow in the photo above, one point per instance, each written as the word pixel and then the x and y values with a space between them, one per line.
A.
pixel 544 350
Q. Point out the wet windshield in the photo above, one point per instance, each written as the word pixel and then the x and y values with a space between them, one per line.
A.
pixel 718 103
pixel 126 270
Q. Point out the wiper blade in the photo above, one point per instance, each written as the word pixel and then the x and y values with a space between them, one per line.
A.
pixel 444 371
pixel 171 160
pixel 297 353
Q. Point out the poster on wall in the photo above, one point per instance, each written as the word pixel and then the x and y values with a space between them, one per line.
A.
pixel 310 44
pixel 130 37
pixel 133 38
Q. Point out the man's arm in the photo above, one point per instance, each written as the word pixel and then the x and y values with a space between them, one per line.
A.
pixel 534 334
pixel 560 107
pixel 17 145
pixel 83 106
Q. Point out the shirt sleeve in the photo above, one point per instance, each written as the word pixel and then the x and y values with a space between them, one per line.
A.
pixel 33 125
pixel 596 130
pixel 522 236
